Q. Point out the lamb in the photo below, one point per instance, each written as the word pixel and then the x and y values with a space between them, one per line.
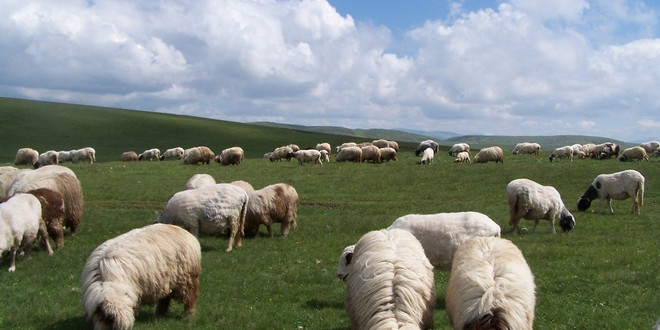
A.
pixel 387 154
pixel 196 155
pixel 172 154
pixel 427 144
pixel 633 153
pixel 427 157
pixel 274 203
pixel 371 153
pixel 128 156
pixel 281 152
pixel 650 147
pixel 26 156
pixel 230 156
pixel 60 179
pixel 463 157
pixel 52 214
pixel 490 154
pixel 349 154
pixel 49 157
pixel 324 146
pixel 307 156
pixel 619 186
pixel 199 180
pixel 459 147
pixel 532 201
pixel 392 286
pixel 490 286
pixel 87 154
pixel 152 264
pixel 150 154
pixel 214 210
pixel 20 218
pixel 527 148
pixel 562 152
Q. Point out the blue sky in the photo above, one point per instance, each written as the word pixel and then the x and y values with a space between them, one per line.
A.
pixel 518 67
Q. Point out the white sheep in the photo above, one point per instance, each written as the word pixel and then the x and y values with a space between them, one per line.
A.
pixel 128 156
pixel 196 155
pixel 87 154
pixel 392 286
pixel 562 152
pixel 619 186
pixel 532 201
pixel 150 154
pixel 49 157
pixel 307 156
pixel 324 146
pixel 325 157
pixel 65 156
pixel 230 156
pixel 344 145
pixel 243 184
pixel 490 287
pixel 152 264
pixel 387 154
pixel 20 223
pixel 280 153
pixel 380 143
pixel 199 180
pixel 371 153
pixel 459 147
pixel 427 156
pixel 7 175
pixel 349 154
pixel 527 148
pixel 650 146
pixel 633 153
pixel 214 210
pixel 172 154
pixel 26 156
pixel 276 203
pixel 490 154
pixel 463 157
pixel 426 144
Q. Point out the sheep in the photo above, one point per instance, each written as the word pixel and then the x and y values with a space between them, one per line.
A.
pixel 387 154
pixel 463 157
pixel 271 204
pixel 307 156
pixel 65 156
pixel 7 175
pixel 349 154
pixel 427 157
pixel 49 157
pixel 371 153
pixel 459 147
pixel 633 153
pixel 527 148
pixel 562 152
pixel 380 143
pixel 325 158
pixel 427 144
pixel 392 286
pixel 490 154
pixel 196 155
pixel 619 186
pixel 532 201
pixel 150 154
pixel 490 287
pixel 199 180
pixel 344 145
pixel 650 147
pixel 281 152
pixel 57 178
pixel 230 156
pixel 26 156
pixel 243 184
pixel 324 146
pixel 20 223
pixel 128 156
pixel 152 264
pixel 293 147
pixel 172 154
pixel 603 150
pixel 52 214
pixel 214 210
pixel 87 154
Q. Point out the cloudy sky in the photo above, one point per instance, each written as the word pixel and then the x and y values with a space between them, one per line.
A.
pixel 516 67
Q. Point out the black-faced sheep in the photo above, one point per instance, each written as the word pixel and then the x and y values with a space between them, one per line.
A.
pixel 128 156
pixel 387 154
pixel 633 153
pixel 619 186
pixel 490 286
pixel 427 156
pixel 427 144
pixel 198 155
pixel 152 264
pixel 307 156
pixel 277 203
pixel 213 210
pixel 172 154
pixel 562 152
pixel 150 154
pixel 371 153
pixel 392 284
pixel 490 154
pixel 463 157
pixel 26 156
pixel 52 214
pixel 459 147
pixel 532 201
pixel 349 154
pixel 230 156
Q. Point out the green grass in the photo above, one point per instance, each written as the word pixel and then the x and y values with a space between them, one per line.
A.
pixel 602 275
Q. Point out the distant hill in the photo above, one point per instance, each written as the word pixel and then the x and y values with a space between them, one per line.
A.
pixel 366 134
pixel 548 143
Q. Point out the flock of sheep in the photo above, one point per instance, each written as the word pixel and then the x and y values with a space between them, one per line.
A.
pixel 388 273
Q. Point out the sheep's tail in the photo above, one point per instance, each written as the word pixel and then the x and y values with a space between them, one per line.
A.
pixel 640 192
pixel 241 220
pixel 494 319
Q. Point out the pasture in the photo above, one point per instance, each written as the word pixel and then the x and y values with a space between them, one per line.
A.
pixel 602 275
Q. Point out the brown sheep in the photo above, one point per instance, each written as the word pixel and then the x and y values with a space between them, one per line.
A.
pixel 274 203
pixel 52 213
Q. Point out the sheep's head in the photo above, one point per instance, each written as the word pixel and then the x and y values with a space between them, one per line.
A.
pixel 585 200
pixel 583 204
pixel 345 259
pixel 567 222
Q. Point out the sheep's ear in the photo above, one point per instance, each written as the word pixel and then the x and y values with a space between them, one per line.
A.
pixel 349 257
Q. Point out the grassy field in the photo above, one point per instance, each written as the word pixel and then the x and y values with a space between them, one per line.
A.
pixel 602 275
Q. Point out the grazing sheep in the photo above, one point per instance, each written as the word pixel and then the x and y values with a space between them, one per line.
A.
pixel 243 184
pixel 26 156
pixel 324 146
pixel 150 154
pixel 281 152
pixel 199 180
pixel 271 204
pixel 633 153
pixel 387 154
pixel 87 154
pixel 490 154
pixel 463 157
pixel 65 156
pixel 325 157
pixel 427 156
pixel 490 286
pixel 392 286
pixel 619 186
pixel 527 148
pixel 230 156
pixel 152 264
pixel 293 147
pixel 198 155
pixel 427 144
pixel 172 154
pixel 650 147
pixel 49 157
pixel 52 214
pixel 344 145
pixel 7 175
pixel 307 156
pixel 532 201
pixel 349 154
pixel 57 178
pixel 371 153
pixel 214 210
pixel 604 150
pixel 380 143
pixel 562 152
pixel 459 147
pixel 20 223
pixel 128 156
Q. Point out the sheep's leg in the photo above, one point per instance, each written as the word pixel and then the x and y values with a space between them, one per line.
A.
pixel 536 223
pixel 12 265
pixel 163 306
pixel 270 230
pixel 609 202
pixel 232 236
pixel 190 296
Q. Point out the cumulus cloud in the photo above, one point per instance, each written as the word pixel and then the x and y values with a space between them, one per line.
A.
pixel 524 67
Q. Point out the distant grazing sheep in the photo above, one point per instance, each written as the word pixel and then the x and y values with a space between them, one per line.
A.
pixel 129 156
pixel 349 154
pixel 459 147
pixel 371 153
pixel 650 147
pixel 213 210
pixel 198 155
pixel 172 154
pixel 427 156
pixel 52 214
pixel 307 156
pixel 26 156
pixel 561 152
pixel 463 157
pixel 150 154
pixel 280 153
pixel 152 264
pixel 604 150
pixel 392 286
pixel 619 185
pixel 65 156
pixel 427 144
pixel 231 156
pixel 532 201
pixel 490 286
pixel 490 154
pixel 276 203
pixel 344 145
pixel 387 154
pixel 199 180
pixel 633 153
pixel 87 154
pixel 49 157
pixel 324 146
pixel 527 148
